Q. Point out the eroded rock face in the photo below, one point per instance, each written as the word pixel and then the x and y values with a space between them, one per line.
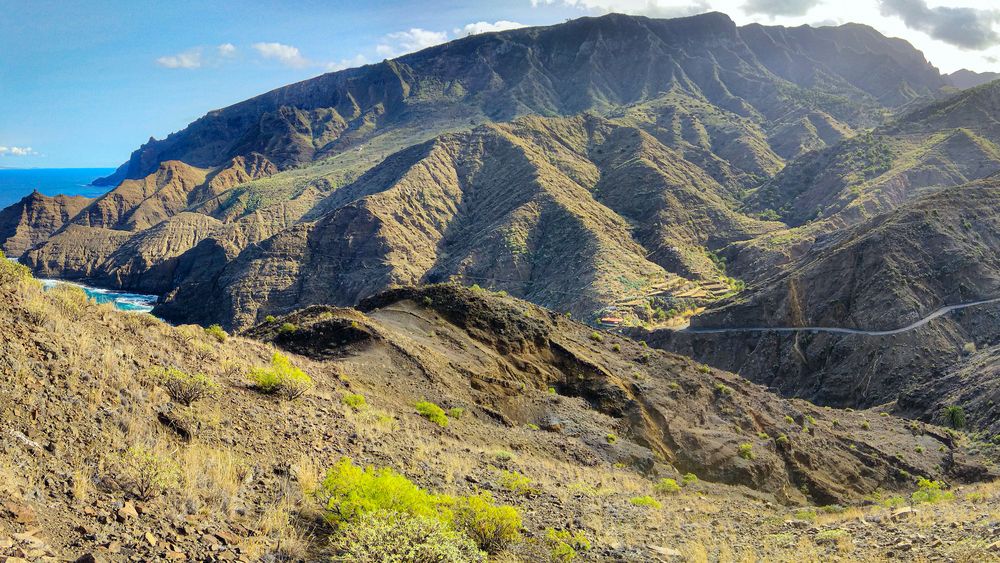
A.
pixel 35 218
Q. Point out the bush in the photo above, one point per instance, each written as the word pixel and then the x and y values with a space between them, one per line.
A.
pixel 456 412
pixel 146 473
pixel 349 492
pixel 281 378
pixel 183 387
pixel 269 319
pixel 11 272
pixel 392 536
pixel 667 486
pixel 746 450
pixel 564 545
pixel 216 332
pixel 287 328
pixel 355 401
pixel 351 495
pixel 596 336
pixel 954 416
pixel 930 492
pixel 611 438
pixel 432 412
pixel 689 479
pixel 492 527
pixel 722 389
pixel 646 501
pixel 517 483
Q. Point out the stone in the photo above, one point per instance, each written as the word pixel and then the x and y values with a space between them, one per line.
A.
pixel 127 512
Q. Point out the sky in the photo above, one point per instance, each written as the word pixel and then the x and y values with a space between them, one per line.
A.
pixel 85 83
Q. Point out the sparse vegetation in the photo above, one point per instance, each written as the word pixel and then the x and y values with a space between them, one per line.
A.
pixel 746 450
pixel 517 483
pixel 287 328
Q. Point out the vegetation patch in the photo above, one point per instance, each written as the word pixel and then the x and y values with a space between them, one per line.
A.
pixel 281 378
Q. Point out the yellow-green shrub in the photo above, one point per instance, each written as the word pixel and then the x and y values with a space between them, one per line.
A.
pixel 667 487
pixel 646 501
pixel 354 400
pixel 216 332
pixel 492 527
pixel 432 412
pixel 384 535
pixel 145 472
pixel 349 493
pixel 281 378
pixel 565 545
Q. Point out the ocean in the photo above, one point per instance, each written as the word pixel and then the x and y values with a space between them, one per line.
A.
pixel 17 183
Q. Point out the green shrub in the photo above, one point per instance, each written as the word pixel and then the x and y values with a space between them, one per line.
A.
pixel 866 426
pixel 456 412
pixel 831 536
pixel 930 492
pixel 184 388
pixel 646 501
pixel 287 328
pixel 689 479
pixel 596 336
pixel 564 545
pixel 432 412
pixel 146 473
pixel 611 438
pixel 954 416
pixel 270 319
pixel 722 389
pixel 789 420
pixel 782 439
pixel 354 400
pixel 667 486
pixel 384 535
pixel 492 527
pixel 746 450
pixel 281 378
pixel 216 332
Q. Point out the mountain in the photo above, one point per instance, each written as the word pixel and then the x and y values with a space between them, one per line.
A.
pixel 965 78
pixel 904 224
pixel 699 110
pixel 35 218
pixel 565 429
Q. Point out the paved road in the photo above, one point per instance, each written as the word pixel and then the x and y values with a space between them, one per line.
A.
pixel 835 330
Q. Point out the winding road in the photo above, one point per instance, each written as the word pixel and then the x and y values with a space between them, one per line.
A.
pixel 836 330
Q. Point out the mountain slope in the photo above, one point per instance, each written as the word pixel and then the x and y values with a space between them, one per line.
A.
pixel 249 461
pixel 571 213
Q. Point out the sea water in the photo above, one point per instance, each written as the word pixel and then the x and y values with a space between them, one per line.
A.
pixel 17 183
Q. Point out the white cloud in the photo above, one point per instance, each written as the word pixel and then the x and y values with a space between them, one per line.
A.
pixel 963 27
pixel 651 8
pixel 226 50
pixel 485 27
pixel 16 151
pixel 357 60
pixel 414 39
pixel 188 59
pixel 285 54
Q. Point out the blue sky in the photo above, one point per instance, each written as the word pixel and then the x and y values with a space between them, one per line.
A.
pixel 85 83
